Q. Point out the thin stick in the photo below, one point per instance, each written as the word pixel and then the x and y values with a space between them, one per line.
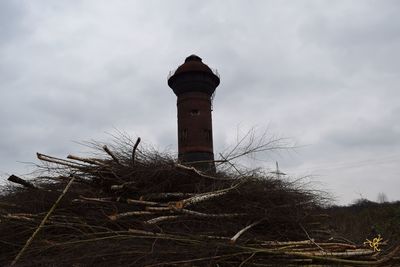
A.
pixel 59 161
pixel 122 186
pixel 166 236
pixel 246 260
pixel 134 150
pixel 29 241
pixel 100 200
pixel 230 163
pixel 356 252
pixel 338 260
pixel 142 202
pixel 208 215
pixel 167 195
pixel 86 160
pixel 108 151
pixel 162 219
pixel 22 217
pixel 199 173
pixel 286 243
pixel 129 214
pixel 311 239
pixel 158 209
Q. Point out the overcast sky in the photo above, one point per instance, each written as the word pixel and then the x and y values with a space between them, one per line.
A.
pixel 323 73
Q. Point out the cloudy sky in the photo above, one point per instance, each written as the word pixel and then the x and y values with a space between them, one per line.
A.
pixel 323 73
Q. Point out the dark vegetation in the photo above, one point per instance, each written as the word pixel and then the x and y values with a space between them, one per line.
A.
pixel 131 206
pixel 367 219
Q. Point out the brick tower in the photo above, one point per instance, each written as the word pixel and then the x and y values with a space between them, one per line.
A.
pixel 194 84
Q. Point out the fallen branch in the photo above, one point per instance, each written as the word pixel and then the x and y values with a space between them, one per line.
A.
pixel 287 243
pixel 23 217
pixel 15 179
pixel 142 202
pixel 199 173
pixel 357 252
pixel 158 209
pixel 129 214
pixel 238 234
pixel 163 219
pixel 207 215
pixel 158 196
pixel 90 199
pixel 86 160
pixel 204 197
pixel 59 161
pixel 311 239
pixel 108 151
pixel 134 150
pixel 121 186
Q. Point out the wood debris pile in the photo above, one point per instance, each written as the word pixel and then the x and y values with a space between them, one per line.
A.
pixel 133 207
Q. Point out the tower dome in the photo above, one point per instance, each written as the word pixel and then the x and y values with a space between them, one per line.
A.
pixel 193 63
pixel 193 75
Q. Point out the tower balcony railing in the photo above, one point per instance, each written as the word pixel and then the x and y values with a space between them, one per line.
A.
pixel 215 71
pixel 172 72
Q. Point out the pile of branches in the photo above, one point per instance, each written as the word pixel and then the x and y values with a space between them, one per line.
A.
pixel 135 207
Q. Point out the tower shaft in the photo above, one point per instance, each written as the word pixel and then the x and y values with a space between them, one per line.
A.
pixel 195 142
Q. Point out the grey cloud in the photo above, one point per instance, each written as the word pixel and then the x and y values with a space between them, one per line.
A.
pixel 363 134
pixel 11 19
pixel 357 36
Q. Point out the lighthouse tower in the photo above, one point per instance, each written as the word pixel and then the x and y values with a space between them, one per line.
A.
pixel 194 84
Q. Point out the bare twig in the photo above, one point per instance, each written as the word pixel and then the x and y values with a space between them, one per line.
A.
pixel 232 165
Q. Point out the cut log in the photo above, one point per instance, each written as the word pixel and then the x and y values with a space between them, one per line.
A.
pixel 15 179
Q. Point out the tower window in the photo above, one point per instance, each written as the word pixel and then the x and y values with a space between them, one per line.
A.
pixel 207 135
pixel 183 136
pixel 195 112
